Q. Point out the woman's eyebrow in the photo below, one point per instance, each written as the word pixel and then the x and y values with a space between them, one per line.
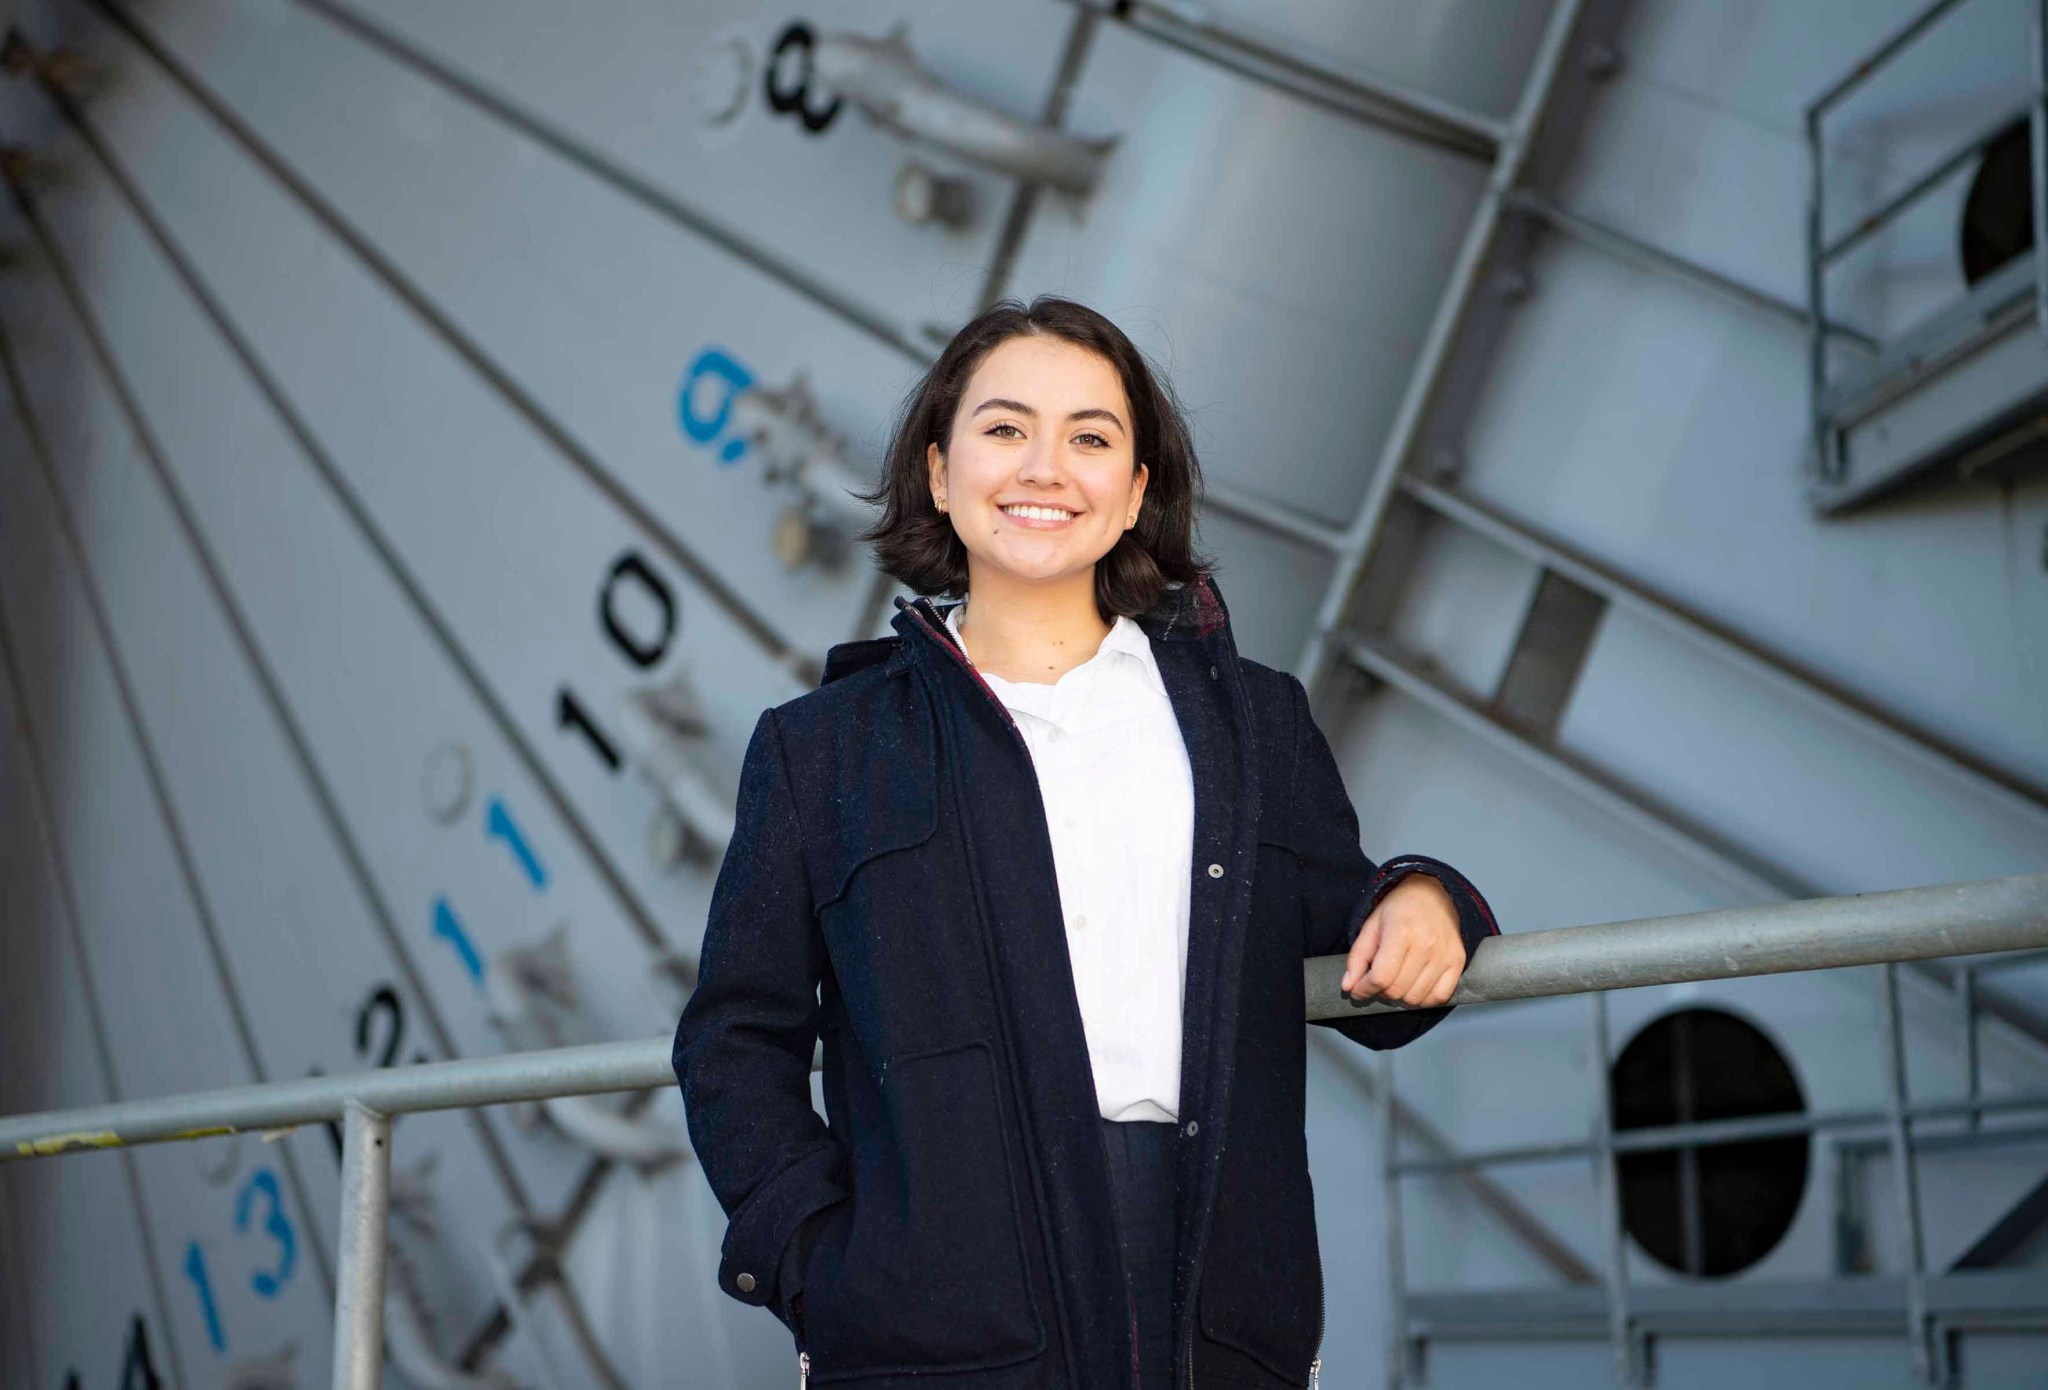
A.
pixel 1097 413
pixel 1004 403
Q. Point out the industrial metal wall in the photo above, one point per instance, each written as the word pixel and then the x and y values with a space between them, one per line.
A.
pixel 370 449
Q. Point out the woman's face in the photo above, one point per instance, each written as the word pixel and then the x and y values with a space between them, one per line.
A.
pixel 1037 474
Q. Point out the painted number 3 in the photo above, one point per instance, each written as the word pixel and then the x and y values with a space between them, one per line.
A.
pixel 263 1184
pixel 259 1202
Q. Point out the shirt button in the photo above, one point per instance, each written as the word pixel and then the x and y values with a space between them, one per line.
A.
pixel 746 1283
pixel 1215 871
pixel 1081 921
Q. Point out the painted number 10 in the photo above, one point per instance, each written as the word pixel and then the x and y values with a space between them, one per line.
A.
pixel 641 643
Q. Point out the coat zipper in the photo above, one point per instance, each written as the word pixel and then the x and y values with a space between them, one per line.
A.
pixel 803 1370
pixel 928 618
pixel 1315 1365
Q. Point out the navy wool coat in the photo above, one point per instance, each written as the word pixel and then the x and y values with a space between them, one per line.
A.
pixel 890 888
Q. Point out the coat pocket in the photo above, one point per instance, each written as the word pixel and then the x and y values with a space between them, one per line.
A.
pixel 924 1269
pixel 1262 1287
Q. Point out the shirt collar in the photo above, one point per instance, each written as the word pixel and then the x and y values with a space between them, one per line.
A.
pixel 1125 637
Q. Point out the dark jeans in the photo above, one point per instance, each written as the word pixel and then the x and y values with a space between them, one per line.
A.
pixel 1141 1158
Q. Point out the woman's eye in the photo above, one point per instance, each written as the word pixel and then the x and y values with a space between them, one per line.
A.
pixel 1097 439
pixel 1006 425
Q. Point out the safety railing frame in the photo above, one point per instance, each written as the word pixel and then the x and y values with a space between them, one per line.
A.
pixel 1994 915
pixel 1604 1146
pixel 1904 364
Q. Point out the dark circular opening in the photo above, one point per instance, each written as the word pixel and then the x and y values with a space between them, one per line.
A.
pixel 1710 1209
pixel 1998 213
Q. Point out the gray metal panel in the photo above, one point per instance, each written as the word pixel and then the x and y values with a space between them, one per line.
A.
pixel 1272 584
pixel 1472 52
pixel 631 87
pixel 1673 454
pixel 1462 603
pixel 158 983
pixel 65 1227
pixel 312 592
pixel 580 275
pixel 1791 786
pixel 645 1259
pixel 1538 1365
pixel 1280 261
pixel 257 837
pixel 417 443
pixel 1700 128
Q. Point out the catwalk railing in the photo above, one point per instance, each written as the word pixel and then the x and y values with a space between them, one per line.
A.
pixel 1827 933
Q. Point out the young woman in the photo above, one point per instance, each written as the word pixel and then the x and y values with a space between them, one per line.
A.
pixel 1041 871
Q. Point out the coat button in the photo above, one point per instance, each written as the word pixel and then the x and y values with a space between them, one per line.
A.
pixel 746 1283
pixel 1193 1127
pixel 1212 673
pixel 1215 871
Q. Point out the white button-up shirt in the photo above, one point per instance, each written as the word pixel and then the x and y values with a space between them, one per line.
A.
pixel 1120 802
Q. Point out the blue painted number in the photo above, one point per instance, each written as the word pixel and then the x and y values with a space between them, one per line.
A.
pixel 704 404
pixel 268 1282
pixel 449 928
pixel 195 1270
pixel 499 825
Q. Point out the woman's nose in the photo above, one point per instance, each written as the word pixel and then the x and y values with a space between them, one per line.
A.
pixel 1041 465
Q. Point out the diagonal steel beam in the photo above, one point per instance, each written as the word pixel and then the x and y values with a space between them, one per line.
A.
pixel 1642 254
pixel 1310 76
pixel 1427 378
pixel 2024 1220
pixel 1781 670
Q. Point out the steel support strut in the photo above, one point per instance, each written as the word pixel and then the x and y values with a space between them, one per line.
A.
pixel 359 1276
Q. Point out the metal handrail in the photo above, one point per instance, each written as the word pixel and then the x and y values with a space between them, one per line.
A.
pixel 2006 914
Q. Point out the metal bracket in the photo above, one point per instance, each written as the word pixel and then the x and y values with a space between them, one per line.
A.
pixel 883 79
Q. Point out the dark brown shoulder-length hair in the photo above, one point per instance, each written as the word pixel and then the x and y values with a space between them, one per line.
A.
pixel 916 543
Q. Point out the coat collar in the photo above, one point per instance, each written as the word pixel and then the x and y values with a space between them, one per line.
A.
pixel 1183 613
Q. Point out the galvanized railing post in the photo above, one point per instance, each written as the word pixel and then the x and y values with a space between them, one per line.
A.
pixel 1973 1063
pixel 1399 1354
pixel 1608 1188
pixel 359 1279
pixel 1907 1182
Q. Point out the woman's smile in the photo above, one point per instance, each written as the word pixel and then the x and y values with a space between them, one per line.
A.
pixel 1037 516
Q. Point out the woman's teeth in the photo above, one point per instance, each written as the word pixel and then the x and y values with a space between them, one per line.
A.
pixel 1038 513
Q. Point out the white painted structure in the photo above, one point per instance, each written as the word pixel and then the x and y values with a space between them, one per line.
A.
pixel 389 581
